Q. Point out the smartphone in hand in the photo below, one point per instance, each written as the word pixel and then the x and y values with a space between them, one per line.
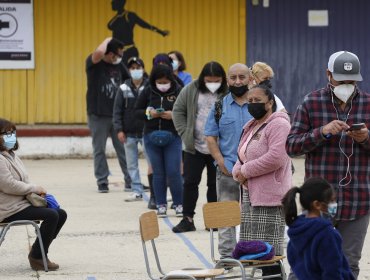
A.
pixel 159 110
pixel 356 126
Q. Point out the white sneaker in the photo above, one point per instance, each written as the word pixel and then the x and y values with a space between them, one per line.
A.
pixel 162 212
pixel 178 211
pixel 134 197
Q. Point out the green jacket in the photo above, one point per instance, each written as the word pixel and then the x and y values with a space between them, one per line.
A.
pixel 183 115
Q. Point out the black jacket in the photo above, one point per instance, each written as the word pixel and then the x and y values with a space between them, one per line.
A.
pixel 124 118
pixel 152 97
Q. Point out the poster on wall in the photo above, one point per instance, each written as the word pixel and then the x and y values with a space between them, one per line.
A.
pixel 16 34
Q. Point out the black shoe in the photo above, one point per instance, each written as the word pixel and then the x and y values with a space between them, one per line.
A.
pixel 103 188
pixel 127 188
pixel 151 203
pixel 146 188
pixel 184 226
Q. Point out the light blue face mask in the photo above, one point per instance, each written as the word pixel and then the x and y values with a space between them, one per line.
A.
pixel 137 74
pixel 332 209
pixel 175 64
pixel 10 141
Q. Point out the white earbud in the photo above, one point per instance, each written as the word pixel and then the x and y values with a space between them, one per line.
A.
pixel 348 173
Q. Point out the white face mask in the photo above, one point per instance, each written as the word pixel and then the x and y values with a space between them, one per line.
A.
pixel 344 91
pixel 175 65
pixel 163 87
pixel 136 74
pixel 117 61
pixel 213 87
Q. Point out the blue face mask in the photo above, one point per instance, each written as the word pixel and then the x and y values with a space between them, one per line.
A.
pixel 10 141
pixel 175 65
pixel 332 209
pixel 137 74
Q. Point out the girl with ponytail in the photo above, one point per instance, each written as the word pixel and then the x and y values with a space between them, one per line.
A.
pixel 315 246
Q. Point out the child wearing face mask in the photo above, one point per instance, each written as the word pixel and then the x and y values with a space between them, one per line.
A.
pixel 161 140
pixel 315 246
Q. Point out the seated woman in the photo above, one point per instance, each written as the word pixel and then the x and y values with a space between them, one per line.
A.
pixel 14 186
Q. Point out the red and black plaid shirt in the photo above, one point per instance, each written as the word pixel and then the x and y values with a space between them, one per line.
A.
pixel 323 156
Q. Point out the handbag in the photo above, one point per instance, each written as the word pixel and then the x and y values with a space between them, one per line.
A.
pixel 51 201
pixel 161 137
pixel 36 200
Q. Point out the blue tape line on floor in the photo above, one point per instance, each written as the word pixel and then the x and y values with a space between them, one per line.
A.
pixel 190 245
pixel 187 242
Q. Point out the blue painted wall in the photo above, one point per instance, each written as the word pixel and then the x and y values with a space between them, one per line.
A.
pixel 280 36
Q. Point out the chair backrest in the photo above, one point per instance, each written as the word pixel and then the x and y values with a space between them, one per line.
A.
pixel 149 228
pixel 221 214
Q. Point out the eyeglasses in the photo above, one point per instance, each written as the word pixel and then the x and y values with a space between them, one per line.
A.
pixel 8 133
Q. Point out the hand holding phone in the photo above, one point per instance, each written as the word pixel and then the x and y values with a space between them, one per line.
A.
pixel 159 110
pixel 356 126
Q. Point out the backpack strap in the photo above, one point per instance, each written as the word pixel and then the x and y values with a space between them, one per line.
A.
pixel 218 110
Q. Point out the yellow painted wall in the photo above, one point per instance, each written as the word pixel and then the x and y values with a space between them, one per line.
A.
pixel 66 31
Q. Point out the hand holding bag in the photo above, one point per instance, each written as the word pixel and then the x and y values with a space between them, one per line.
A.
pixel 36 200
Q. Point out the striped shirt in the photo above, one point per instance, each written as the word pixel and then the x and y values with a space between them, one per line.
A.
pixel 324 157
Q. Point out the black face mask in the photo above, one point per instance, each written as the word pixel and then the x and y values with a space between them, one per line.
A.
pixel 257 110
pixel 238 91
pixel 266 83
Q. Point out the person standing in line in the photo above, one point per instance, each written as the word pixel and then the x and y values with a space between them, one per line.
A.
pixel 337 150
pixel 129 129
pixel 163 58
pixel 14 186
pixel 222 130
pixel 179 67
pixel 161 140
pixel 105 73
pixel 262 74
pixel 263 169
pixel 189 115
pixel 315 246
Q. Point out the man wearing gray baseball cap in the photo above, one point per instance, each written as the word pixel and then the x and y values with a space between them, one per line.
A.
pixel 330 128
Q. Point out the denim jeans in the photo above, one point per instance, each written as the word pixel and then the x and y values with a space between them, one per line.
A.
pixel 101 128
pixel 227 190
pixel 166 163
pixel 193 169
pixel 132 159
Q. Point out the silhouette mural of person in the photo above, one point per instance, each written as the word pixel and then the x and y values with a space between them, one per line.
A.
pixel 122 26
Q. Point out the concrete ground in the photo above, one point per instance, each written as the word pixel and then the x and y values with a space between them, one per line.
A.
pixel 101 238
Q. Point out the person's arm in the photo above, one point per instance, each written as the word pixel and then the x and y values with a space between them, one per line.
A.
pixel 146 25
pixel 118 114
pixel 98 54
pixel 302 137
pixel 142 103
pixel 9 185
pixel 276 133
pixel 179 111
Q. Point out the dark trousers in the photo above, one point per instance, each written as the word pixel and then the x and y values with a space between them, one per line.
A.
pixel 53 220
pixel 193 169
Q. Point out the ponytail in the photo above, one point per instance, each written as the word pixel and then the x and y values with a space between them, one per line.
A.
pixel 290 206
